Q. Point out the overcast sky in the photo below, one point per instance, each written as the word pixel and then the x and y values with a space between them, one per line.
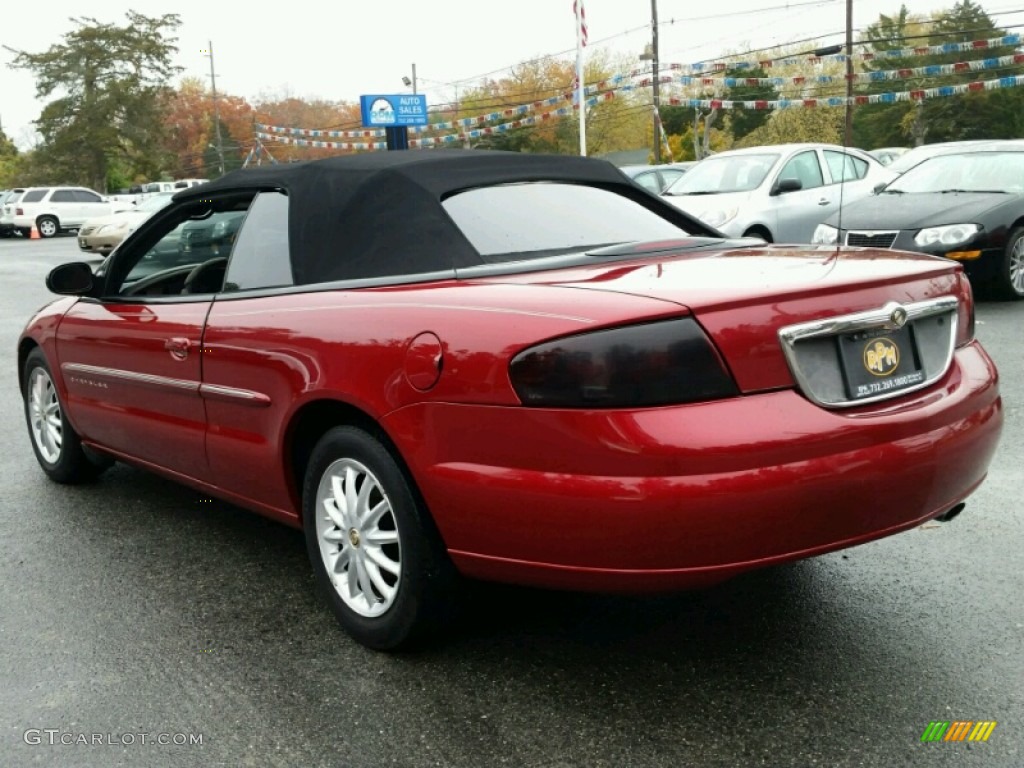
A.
pixel 342 49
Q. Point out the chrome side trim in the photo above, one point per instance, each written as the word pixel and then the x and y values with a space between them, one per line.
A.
pixel 211 391
pixel 890 317
pixel 133 377
pixel 234 395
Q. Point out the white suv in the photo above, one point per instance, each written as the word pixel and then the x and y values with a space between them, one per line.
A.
pixel 53 209
pixel 7 205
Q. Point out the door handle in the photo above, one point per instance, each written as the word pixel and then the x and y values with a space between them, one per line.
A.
pixel 178 347
pixel 824 201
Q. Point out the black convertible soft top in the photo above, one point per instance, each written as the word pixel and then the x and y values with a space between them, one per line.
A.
pixel 380 214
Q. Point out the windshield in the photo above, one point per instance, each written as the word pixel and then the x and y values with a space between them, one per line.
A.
pixel 731 173
pixel 515 222
pixel 155 203
pixel 971 172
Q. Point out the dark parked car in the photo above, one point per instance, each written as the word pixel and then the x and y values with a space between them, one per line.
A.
pixel 210 237
pixel 967 206
pixel 513 367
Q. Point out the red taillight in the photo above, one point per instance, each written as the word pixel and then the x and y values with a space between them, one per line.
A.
pixel 19 211
pixel 662 363
pixel 965 312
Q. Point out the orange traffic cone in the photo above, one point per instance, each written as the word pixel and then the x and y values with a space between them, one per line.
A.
pixel 34 232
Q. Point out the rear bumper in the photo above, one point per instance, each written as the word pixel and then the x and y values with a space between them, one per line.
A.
pixel 674 497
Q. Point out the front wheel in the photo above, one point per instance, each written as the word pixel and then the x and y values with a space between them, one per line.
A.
pixel 1010 282
pixel 57 446
pixel 373 547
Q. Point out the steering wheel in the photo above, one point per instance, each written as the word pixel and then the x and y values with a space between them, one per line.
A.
pixel 164 279
pixel 208 277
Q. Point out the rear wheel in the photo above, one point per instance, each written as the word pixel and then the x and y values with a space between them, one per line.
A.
pixel 57 446
pixel 373 548
pixel 1010 282
pixel 48 226
pixel 761 232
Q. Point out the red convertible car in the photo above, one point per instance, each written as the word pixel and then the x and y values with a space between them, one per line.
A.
pixel 512 367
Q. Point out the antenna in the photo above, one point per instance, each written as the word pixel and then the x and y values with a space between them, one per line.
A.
pixel 848 129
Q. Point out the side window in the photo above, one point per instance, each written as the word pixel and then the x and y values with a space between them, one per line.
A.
pixel 85 196
pixel 670 177
pixel 648 181
pixel 806 168
pixel 63 196
pixel 34 195
pixel 261 257
pixel 845 167
pixel 184 252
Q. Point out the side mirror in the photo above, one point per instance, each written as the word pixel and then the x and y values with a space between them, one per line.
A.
pixel 74 279
pixel 787 185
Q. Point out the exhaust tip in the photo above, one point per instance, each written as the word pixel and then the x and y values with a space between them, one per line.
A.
pixel 949 514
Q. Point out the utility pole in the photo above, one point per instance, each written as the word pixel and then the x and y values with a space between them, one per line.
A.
pixel 849 73
pixel 407 82
pixel 216 112
pixel 656 75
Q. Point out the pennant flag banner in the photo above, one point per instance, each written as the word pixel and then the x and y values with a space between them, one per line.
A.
pixel 1007 41
pixel 524 117
pixel 841 101
pixel 933 70
pixel 353 146
pixel 462 122
pixel 439 140
pixel 365 134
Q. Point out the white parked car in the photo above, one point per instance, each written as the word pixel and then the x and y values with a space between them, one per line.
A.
pixel 778 193
pixel 656 178
pixel 57 209
pixel 7 205
pixel 103 233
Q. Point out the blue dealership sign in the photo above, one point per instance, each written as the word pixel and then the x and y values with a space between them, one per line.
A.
pixel 396 109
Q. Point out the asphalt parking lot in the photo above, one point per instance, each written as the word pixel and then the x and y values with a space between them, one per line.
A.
pixel 135 606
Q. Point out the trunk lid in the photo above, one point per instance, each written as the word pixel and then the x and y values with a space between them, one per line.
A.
pixel 743 296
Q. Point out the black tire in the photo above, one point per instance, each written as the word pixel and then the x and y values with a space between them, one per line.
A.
pixel 1010 281
pixel 48 226
pixel 408 606
pixel 57 447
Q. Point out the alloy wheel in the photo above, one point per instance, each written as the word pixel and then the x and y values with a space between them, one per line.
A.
pixel 1017 266
pixel 44 416
pixel 358 538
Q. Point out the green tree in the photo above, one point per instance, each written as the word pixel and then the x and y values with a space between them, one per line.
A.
pixel 797 124
pixel 975 115
pixel 9 161
pixel 742 122
pixel 107 87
